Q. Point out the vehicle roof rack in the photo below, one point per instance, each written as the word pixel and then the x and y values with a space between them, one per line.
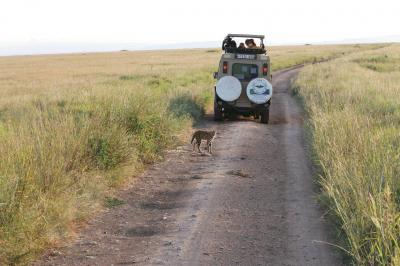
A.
pixel 245 36
pixel 234 50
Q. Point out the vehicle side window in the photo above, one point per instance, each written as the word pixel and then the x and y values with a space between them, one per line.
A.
pixel 244 72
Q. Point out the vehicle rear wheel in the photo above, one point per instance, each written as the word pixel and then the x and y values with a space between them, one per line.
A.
pixel 217 112
pixel 265 116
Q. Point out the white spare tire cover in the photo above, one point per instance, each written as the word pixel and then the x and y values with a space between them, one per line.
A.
pixel 259 90
pixel 229 88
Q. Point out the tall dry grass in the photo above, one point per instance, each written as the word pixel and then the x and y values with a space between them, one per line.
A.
pixel 353 105
pixel 72 127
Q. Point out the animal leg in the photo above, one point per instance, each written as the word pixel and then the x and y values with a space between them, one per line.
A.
pixel 198 146
pixel 208 145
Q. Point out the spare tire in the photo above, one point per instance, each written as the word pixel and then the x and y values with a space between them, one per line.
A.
pixel 229 88
pixel 259 91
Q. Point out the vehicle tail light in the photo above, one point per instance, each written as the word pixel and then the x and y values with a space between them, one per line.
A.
pixel 265 69
pixel 225 67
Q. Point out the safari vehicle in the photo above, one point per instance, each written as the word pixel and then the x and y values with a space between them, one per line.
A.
pixel 243 79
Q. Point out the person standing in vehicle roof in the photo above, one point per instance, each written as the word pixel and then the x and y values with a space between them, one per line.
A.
pixel 251 44
pixel 229 43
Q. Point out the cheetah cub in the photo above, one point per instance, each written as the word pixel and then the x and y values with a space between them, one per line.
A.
pixel 200 135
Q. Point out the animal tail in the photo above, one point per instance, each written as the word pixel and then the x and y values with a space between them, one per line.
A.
pixel 192 139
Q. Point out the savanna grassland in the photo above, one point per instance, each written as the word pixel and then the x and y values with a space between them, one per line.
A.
pixel 73 128
pixel 353 106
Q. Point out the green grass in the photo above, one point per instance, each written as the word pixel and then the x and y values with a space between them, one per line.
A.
pixel 111 202
pixel 354 122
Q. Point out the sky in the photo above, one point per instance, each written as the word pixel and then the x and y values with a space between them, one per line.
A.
pixel 25 24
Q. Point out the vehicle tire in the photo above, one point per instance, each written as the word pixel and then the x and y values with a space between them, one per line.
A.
pixel 217 112
pixel 264 116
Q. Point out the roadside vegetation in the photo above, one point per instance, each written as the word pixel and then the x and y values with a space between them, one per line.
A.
pixel 75 127
pixel 287 56
pixel 353 106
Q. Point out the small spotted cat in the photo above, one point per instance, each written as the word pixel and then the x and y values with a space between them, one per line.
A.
pixel 200 135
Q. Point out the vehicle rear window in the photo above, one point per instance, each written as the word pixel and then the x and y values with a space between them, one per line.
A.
pixel 244 72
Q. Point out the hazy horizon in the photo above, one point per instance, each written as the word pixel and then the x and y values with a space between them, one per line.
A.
pixel 37 48
pixel 45 26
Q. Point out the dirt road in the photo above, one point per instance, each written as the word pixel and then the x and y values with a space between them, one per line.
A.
pixel 251 203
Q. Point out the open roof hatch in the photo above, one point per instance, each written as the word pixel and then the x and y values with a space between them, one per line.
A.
pixel 234 49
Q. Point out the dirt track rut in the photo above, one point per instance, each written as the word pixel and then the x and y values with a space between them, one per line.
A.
pixel 251 203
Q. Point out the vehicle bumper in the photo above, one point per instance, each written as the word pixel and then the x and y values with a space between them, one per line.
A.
pixel 250 110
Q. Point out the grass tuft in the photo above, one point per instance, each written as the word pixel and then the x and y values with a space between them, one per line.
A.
pixel 111 202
